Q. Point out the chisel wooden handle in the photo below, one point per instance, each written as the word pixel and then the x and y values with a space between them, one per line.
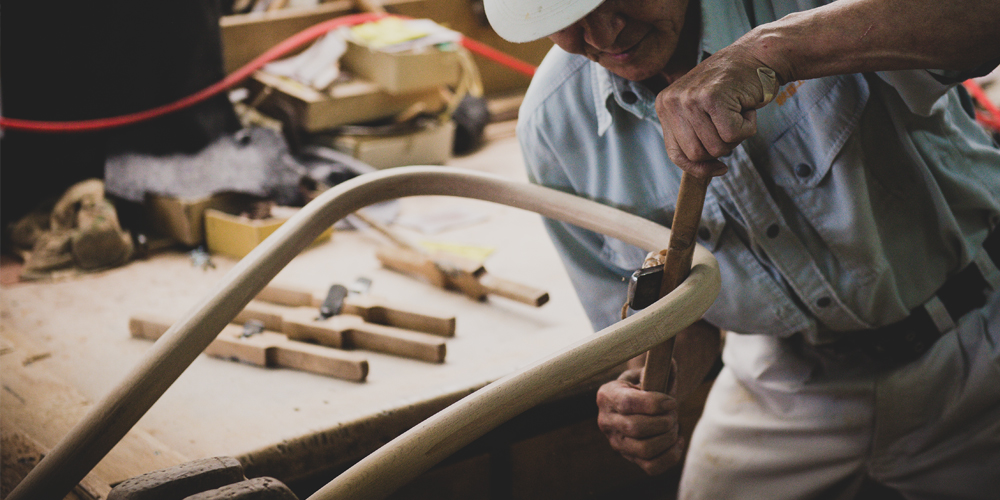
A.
pixel 271 315
pixel 457 273
pixel 267 349
pixel 372 308
pixel 514 291
pixel 687 217
pixel 413 263
pixel 349 331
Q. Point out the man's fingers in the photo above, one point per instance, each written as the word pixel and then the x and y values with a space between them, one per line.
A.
pixel 711 168
pixel 662 462
pixel 633 376
pixel 637 427
pixel 624 398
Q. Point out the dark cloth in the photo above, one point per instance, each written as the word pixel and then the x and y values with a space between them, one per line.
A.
pixel 68 60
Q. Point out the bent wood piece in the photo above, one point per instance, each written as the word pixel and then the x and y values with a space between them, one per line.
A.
pixel 423 446
pixel 687 216
pixel 112 416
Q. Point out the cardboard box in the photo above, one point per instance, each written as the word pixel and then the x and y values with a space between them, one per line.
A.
pixel 182 219
pixel 355 101
pixel 403 72
pixel 235 236
pixel 247 36
pixel 429 146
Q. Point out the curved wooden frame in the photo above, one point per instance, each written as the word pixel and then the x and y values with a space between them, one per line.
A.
pixel 415 451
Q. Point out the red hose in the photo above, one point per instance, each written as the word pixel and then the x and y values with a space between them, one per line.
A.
pixel 289 44
pixel 494 54
pixel 991 117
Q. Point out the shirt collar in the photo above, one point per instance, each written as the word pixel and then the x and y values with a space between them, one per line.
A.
pixel 723 21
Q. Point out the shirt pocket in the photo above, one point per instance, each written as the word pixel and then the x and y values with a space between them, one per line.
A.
pixel 801 133
pixel 710 230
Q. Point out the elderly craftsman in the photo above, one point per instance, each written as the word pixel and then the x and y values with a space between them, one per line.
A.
pixel 854 216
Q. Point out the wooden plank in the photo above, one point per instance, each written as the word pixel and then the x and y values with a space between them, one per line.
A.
pixel 266 349
pixel 246 36
pixel 45 408
pixel 352 332
pixel 20 454
pixel 374 309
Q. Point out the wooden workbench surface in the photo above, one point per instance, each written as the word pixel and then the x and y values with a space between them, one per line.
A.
pixel 286 423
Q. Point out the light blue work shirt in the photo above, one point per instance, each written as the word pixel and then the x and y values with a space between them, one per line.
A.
pixel 858 196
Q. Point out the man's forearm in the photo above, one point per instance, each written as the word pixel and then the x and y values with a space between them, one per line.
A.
pixel 854 36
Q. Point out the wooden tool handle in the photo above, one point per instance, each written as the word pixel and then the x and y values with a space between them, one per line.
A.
pixel 287 296
pixel 396 341
pixel 267 349
pixel 320 359
pixel 514 291
pixel 272 316
pixel 374 310
pixel 412 263
pixel 352 332
pixel 680 249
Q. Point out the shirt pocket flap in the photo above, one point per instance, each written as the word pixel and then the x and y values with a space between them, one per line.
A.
pixel 804 129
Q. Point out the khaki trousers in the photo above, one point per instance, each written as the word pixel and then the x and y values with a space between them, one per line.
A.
pixel 783 422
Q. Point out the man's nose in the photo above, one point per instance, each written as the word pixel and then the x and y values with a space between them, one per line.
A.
pixel 601 28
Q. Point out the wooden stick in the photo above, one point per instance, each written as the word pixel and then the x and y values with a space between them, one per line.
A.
pixel 375 309
pixel 687 217
pixel 450 271
pixel 351 332
pixel 344 331
pixel 112 416
pixel 372 308
pixel 266 349
pixel 455 273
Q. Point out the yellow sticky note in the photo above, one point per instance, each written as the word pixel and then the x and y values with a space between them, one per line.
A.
pixel 471 252
pixel 385 32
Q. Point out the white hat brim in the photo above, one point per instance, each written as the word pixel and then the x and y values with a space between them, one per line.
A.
pixel 528 20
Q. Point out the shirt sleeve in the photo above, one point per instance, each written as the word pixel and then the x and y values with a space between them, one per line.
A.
pixel 921 89
pixel 600 286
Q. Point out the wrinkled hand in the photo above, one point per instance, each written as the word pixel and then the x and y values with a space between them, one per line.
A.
pixel 640 425
pixel 710 110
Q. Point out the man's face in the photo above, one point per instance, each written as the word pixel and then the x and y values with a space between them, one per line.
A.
pixel 632 38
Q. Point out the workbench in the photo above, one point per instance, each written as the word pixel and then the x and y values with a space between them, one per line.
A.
pixel 294 425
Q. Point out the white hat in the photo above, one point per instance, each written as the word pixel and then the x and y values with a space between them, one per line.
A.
pixel 527 20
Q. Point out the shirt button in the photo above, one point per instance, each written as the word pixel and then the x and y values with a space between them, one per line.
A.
pixel 773 230
pixel 704 233
pixel 629 97
pixel 803 170
pixel 823 302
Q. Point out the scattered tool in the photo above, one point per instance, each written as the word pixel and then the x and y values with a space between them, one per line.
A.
pixel 332 324
pixel 266 348
pixel 455 273
pixel 449 271
pixel 344 331
pixel 371 308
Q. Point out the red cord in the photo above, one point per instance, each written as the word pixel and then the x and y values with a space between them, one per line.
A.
pixel 291 43
pixel 991 117
pixel 491 53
